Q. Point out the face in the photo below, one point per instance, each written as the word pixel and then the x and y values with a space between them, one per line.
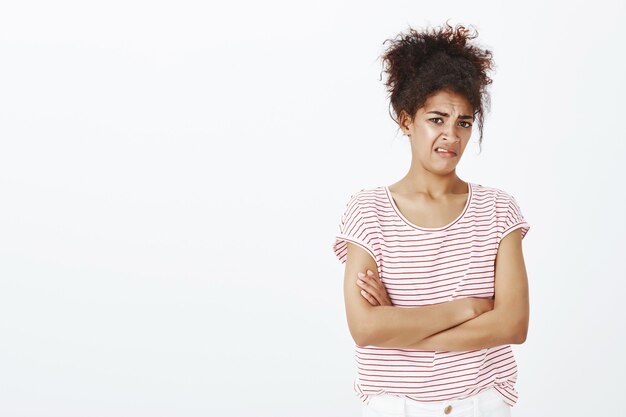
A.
pixel 445 120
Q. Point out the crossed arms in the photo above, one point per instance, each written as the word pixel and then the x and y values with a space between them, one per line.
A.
pixel 458 325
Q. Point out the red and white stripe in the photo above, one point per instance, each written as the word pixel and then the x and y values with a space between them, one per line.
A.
pixel 421 266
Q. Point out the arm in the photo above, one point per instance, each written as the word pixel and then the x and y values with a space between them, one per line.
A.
pixel 388 326
pixel 508 321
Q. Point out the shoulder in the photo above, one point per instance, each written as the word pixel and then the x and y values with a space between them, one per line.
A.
pixel 506 209
pixel 495 195
pixel 365 206
pixel 366 199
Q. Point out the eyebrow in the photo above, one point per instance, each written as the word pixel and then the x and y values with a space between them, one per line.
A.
pixel 463 116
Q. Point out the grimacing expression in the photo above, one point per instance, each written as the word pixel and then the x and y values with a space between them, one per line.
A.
pixel 445 121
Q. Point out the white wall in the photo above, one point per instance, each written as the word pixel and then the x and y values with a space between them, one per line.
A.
pixel 172 175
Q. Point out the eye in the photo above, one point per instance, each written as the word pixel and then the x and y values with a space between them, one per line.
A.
pixel 468 124
pixel 436 118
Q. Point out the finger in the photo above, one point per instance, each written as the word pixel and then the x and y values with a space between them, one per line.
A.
pixel 368 285
pixel 371 275
pixel 369 298
pixel 374 287
pixel 373 278
pixel 372 282
pixel 366 289
pixel 371 290
pixel 377 290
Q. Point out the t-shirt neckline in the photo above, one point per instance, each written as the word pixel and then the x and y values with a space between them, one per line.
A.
pixel 470 191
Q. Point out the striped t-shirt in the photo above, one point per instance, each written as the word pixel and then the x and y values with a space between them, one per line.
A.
pixel 420 266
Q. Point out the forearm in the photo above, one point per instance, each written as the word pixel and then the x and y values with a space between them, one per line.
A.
pixel 489 329
pixel 400 327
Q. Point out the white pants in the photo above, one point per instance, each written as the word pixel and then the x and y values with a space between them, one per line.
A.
pixel 487 403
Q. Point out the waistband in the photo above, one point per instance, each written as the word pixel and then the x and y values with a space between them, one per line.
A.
pixel 400 405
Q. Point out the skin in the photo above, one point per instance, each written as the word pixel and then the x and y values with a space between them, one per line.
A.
pixel 432 195
pixel 432 184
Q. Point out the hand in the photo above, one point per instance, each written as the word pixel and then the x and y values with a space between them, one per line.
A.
pixel 373 289
pixel 478 305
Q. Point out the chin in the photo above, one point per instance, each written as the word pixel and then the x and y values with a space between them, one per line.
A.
pixel 443 173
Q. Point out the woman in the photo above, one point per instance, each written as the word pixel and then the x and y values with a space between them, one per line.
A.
pixel 435 284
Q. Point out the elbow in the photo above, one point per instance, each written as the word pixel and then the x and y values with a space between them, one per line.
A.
pixel 519 332
pixel 364 336
pixel 518 338
pixel 362 331
pixel 361 341
pixel 513 326
pixel 357 335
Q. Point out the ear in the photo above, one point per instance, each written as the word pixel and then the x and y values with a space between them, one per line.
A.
pixel 405 121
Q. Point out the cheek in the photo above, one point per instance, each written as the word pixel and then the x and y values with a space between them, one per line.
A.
pixel 426 135
pixel 428 130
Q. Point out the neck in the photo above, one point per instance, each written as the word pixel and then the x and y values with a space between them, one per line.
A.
pixel 433 185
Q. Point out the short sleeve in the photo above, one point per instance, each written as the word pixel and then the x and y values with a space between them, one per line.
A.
pixel 358 226
pixel 514 219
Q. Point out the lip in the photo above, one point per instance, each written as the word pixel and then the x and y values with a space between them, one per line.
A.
pixel 446 149
pixel 446 155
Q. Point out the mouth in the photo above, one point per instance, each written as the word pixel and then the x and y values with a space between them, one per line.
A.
pixel 445 153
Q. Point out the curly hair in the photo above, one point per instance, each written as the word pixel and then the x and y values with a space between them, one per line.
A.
pixel 420 63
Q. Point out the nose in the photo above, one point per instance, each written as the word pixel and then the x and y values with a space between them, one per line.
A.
pixel 448 133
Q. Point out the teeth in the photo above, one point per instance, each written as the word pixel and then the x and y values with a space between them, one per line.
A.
pixel 441 149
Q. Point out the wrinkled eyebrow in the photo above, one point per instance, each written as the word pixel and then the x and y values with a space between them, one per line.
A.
pixel 462 116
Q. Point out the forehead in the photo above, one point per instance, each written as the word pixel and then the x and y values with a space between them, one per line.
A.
pixel 447 100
